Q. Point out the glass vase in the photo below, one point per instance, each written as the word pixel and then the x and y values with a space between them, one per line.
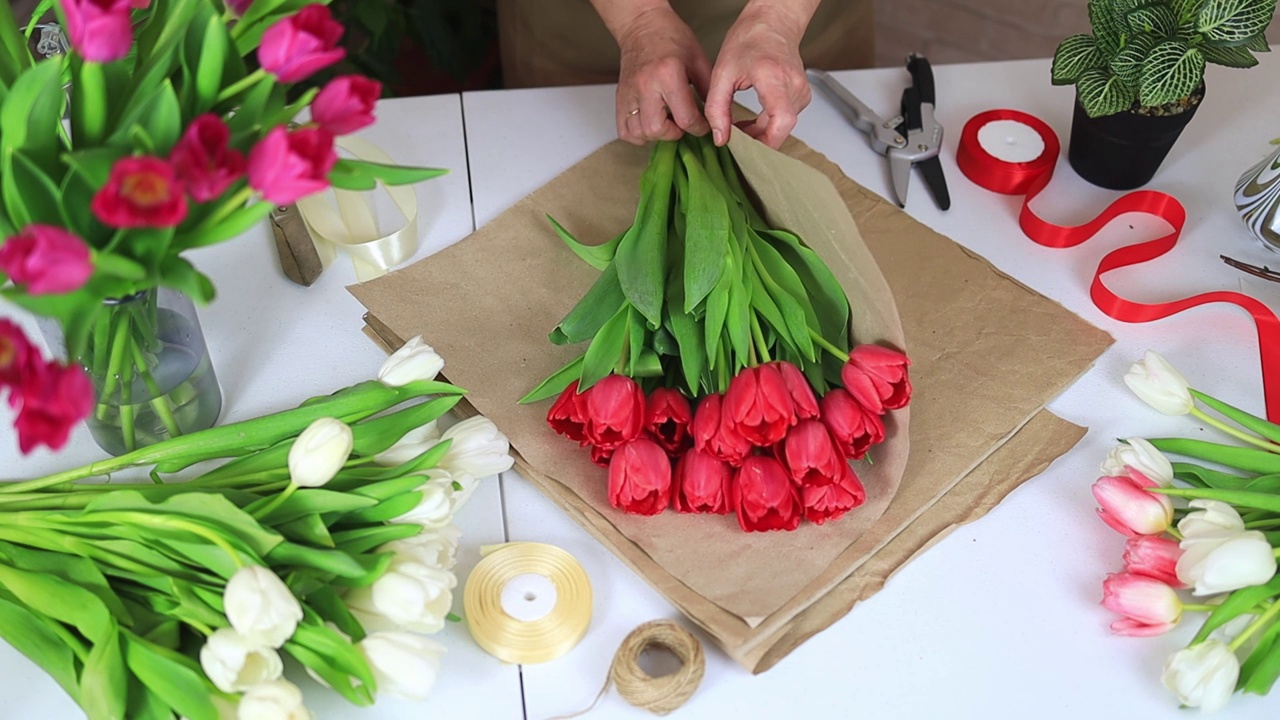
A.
pixel 151 372
pixel 1258 200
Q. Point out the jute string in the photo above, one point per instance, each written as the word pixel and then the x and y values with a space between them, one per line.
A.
pixel 659 695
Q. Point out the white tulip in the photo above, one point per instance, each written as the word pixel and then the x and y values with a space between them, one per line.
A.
pixel 1203 675
pixel 415 360
pixel 1159 385
pixel 477 448
pixel 1219 565
pixel 408 596
pixel 436 508
pixel 405 665
pixel 275 700
pixel 234 665
pixel 433 548
pixel 319 452
pixel 1212 520
pixel 409 446
pixel 261 607
pixel 1142 456
pixel 464 484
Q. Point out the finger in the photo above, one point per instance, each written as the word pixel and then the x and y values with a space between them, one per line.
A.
pixel 622 112
pixel 780 107
pixel 700 73
pixel 719 103
pixel 635 133
pixel 684 110
pixel 653 114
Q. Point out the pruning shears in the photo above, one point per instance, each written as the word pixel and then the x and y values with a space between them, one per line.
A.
pixel 912 139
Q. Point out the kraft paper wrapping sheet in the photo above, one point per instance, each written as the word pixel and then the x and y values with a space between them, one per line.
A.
pixel 987 355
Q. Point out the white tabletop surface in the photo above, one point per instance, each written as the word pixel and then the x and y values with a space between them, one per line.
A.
pixel 1000 619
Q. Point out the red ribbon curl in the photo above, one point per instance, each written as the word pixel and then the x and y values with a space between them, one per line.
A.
pixel 1030 178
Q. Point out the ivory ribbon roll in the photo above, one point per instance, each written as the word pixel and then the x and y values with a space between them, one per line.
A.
pixel 526 602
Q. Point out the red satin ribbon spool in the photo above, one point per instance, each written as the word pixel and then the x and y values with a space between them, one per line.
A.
pixel 1030 178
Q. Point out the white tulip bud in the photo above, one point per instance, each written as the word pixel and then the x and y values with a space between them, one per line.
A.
pixel 319 452
pixel 415 360
pixel 1203 675
pixel 234 665
pixel 275 700
pixel 436 508
pixel 1159 385
pixel 1220 565
pixel 405 665
pixel 409 446
pixel 477 449
pixel 261 607
pixel 1142 456
pixel 433 548
pixel 1213 520
pixel 408 596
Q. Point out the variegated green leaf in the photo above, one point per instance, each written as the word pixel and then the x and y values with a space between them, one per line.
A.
pixel 1186 9
pixel 1102 93
pixel 1106 26
pixel 1074 56
pixel 1257 43
pixel 1234 21
pixel 1188 34
pixel 1172 71
pixel 1235 57
pixel 1127 64
pixel 1154 19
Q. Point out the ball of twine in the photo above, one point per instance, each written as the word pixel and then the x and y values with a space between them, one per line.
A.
pixel 659 695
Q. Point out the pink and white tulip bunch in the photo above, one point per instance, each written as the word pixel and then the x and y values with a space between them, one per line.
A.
pixel 1215 554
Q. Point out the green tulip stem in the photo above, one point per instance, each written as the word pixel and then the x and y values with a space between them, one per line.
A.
pixel 1174 532
pixel 826 345
pixel 1262 621
pixel 1233 432
pixel 1256 524
pixel 241 85
pixel 276 501
pixel 234 203
pixel 761 346
pixel 1200 608
pixel 159 402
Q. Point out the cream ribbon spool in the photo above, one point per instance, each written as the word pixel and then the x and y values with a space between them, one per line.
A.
pixel 526 602
pixel 352 226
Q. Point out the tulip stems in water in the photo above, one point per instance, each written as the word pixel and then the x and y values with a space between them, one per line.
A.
pixel 1262 621
pixel 825 345
pixel 159 402
pixel 1254 440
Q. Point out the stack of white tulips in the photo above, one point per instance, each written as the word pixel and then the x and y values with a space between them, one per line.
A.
pixel 1220 548
pixel 327 536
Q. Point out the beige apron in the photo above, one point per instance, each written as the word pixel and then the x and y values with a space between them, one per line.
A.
pixel 564 42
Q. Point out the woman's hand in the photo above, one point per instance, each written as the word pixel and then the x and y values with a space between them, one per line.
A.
pixel 762 50
pixel 662 63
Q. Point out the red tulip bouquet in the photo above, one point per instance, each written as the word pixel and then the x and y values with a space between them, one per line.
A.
pixel 719 374
pixel 168 126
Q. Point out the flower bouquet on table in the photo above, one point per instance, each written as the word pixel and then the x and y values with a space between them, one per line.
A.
pixel 719 374
pixel 1221 547
pixel 325 535
pixel 167 127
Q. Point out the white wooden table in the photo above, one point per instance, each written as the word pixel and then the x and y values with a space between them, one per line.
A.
pixel 1000 619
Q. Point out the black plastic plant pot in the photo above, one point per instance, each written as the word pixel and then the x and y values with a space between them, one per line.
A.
pixel 1123 151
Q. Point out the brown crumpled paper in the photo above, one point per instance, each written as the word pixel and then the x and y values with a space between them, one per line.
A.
pixel 987 355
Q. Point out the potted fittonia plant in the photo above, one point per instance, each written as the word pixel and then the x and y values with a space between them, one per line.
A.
pixel 1140 77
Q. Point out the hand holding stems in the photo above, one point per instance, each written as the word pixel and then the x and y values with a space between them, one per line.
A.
pixel 663 64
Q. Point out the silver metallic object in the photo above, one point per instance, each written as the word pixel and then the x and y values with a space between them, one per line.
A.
pixel 1258 200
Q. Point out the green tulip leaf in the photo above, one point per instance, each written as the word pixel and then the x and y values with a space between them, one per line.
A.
pixel 175 679
pixel 605 350
pixel 642 253
pixel 1261 669
pixel 308 530
pixel 181 275
pixel 706 228
pixel 103 683
pixel 1205 477
pixel 362 540
pixel 556 383
pixel 1235 605
pixel 600 303
pixel 293 555
pixel 1268 430
pixel 1240 498
pixel 597 256
pixel 212 65
pixel 684 328
pixel 717 312
pixel 32 634
pixel 1250 460
pixel 385 511
pixel 311 502
pixel 32 107
pixel 336 660
pixel 373 436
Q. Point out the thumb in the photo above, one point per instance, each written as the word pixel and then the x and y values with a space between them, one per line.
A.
pixel 719 108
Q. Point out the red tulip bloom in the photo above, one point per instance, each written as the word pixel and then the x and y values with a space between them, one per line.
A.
pixel 667 418
pixel 758 405
pixel 829 502
pixel 764 496
pixel 811 456
pixel 568 416
pixel 801 393
pixel 640 478
pixel 285 166
pixel 47 260
pixel 615 412
pixel 16 353
pixel 204 159
pixel 601 456
pixel 854 428
pixel 301 44
pixel 346 104
pixel 877 377
pixel 141 192
pixel 711 434
pixel 53 398
pixel 100 31
pixel 703 483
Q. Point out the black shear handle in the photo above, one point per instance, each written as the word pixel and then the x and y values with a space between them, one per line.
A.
pixel 922 78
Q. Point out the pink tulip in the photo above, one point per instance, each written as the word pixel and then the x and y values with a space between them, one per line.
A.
pixel 204 159
pixel 47 260
pixel 1153 557
pixel 346 104
pixel 141 192
pixel 100 31
pixel 285 166
pixel 301 44
pixel 1129 508
pixel 16 354
pixel 1150 607
pixel 51 400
